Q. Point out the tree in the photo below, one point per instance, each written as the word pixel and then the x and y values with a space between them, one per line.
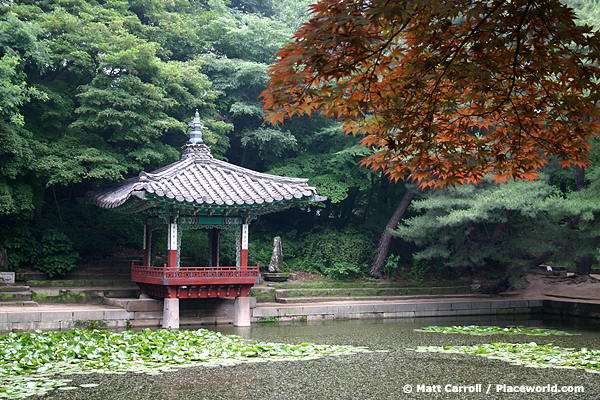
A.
pixel 447 91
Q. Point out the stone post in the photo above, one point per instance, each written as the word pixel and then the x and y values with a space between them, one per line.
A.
pixel 170 314
pixel 241 311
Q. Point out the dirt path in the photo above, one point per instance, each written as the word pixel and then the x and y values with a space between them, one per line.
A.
pixel 555 287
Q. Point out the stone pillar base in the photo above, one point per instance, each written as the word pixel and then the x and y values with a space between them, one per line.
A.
pixel 241 311
pixel 170 314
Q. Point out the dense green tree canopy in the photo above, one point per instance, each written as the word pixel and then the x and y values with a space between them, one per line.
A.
pixel 95 91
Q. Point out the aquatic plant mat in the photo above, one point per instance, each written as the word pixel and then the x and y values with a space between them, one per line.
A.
pixel 494 330
pixel 527 354
pixel 30 363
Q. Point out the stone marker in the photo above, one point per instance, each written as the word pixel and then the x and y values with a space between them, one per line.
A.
pixel 277 256
pixel 7 278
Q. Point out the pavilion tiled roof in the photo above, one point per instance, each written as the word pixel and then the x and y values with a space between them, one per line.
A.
pixel 201 179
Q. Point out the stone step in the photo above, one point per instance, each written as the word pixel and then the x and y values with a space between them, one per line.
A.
pixel 26 303
pixel 32 275
pixel 100 270
pixel 80 283
pixel 369 292
pixel 13 288
pixel 82 294
pixel 16 296
pixel 107 275
pixel 120 263
pixel 295 300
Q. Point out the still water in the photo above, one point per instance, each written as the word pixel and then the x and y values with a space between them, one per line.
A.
pixel 376 375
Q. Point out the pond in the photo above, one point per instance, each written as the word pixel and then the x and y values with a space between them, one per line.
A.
pixel 386 373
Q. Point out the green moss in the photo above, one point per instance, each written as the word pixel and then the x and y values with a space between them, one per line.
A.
pixel 88 324
pixel 263 295
pixel 268 320
pixel 64 297
pixel 328 284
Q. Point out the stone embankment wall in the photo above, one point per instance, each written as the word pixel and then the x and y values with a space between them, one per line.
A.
pixel 134 313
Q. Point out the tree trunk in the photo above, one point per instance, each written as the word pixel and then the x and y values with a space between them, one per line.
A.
pixel 386 236
pixel 500 227
pixel 3 259
pixel 580 179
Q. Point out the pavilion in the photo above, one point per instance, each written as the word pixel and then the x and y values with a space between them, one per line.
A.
pixel 200 192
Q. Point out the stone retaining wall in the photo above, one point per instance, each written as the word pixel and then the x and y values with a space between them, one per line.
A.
pixel 51 320
pixel 138 313
pixel 396 310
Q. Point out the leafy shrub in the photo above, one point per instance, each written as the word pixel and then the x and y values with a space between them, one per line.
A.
pixel 390 269
pixel 337 254
pixel 416 273
pixel 55 256
pixel 49 251
pixel 342 271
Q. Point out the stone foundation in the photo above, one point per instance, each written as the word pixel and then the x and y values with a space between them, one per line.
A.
pixel 141 313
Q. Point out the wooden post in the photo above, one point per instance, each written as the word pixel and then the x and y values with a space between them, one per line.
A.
pixel 172 245
pixel 147 245
pixel 244 244
pixel 215 246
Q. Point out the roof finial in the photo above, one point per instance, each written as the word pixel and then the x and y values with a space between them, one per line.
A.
pixel 196 135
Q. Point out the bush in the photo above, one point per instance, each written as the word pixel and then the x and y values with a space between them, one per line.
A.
pixel 339 255
pixel 49 251
pixel 55 256
pixel 342 271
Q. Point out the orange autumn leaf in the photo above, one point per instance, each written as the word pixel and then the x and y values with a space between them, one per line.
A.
pixel 447 91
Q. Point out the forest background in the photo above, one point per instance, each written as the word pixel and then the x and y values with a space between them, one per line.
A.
pixel 96 91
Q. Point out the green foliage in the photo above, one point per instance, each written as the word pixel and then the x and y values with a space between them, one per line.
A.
pixel 55 255
pixel 529 354
pixel 343 271
pixel 34 362
pixel 49 251
pixel 494 330
pixel 588 11
pixel 390 269
pixel 336 254
pixel 195 244
pixel 472 229
pixel 93 92
pixel 417 272
pixel 247 36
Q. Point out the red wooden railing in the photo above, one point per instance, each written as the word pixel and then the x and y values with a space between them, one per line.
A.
pixel 195 282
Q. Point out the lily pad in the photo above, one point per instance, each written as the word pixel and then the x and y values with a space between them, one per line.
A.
pixel 34 358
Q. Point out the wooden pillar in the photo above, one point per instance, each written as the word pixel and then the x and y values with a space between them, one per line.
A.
pixel 215 246
pixel 244 246
pixel 172 245
pixel 147 245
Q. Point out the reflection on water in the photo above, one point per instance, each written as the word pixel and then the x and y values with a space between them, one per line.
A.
pixel 377 375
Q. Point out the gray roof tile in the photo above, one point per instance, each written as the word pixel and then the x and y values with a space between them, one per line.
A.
pixel 199 178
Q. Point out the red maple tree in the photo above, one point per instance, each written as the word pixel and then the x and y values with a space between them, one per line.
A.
pixel 447 91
